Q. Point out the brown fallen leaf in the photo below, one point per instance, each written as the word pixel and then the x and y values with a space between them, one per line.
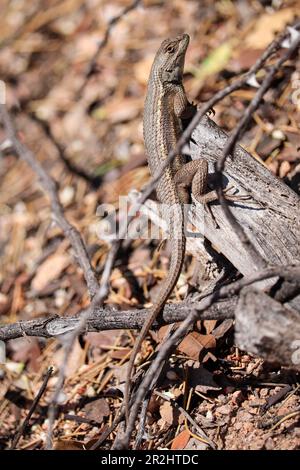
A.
pixel 168 413
pixel 266 26
pixel 49 270
pixel 28 351
pixel 62 444
pixel 142 69
pixel 96 410
pixel 160 334
pixel 222 329
pixel 181 440
pixel 209 325
pixel 195 343
pixel 200 378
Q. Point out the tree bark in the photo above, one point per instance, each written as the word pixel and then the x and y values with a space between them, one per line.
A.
pixel 267 328
pixel 270 218
pixel 108 319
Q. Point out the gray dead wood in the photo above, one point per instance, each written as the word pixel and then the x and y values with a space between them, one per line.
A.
pixel 109 319
pixel 267 328
pixel 271 220
pixel 264 326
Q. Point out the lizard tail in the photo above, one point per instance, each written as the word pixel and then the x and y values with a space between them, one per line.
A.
pixel 176 261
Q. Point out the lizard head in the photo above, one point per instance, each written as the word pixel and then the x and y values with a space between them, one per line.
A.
pixel 169 60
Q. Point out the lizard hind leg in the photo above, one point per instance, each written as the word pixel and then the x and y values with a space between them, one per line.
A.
pixel 193 174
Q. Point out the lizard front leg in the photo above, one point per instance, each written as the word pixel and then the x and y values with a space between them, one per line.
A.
pixel 183 109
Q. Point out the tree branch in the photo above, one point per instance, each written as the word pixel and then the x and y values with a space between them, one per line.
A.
pixel 102 319
pixel 49 186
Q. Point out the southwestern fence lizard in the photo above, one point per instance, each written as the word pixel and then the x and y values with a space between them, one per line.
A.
pixel 166 106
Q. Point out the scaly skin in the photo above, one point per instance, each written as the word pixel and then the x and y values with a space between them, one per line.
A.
pixel 165 107
pixel 165 104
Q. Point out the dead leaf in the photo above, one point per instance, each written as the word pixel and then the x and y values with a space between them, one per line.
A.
pixel 222 329
pixel 244 59
pixel 195 343
pixel 284 169
pixel 118 111
pixel 200 378
pixel 167 412
pixel 266 26
pixel 27 351
pixel 4 304
pixel 120 353
pixel 181 440
pixel 134 179
pixel 74 360
pixel 49 270
pixel 120 373
pixel 209 325
pixel 161 333
pixel 103 339
pixel 142 69
pixel 62 444
pixel 96 410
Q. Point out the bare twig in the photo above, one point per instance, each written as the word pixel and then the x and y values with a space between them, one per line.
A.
pixel 72 168
pixel 49 187
pixel 32 408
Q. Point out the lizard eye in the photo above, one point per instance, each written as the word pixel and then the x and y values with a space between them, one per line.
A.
pixel 170 49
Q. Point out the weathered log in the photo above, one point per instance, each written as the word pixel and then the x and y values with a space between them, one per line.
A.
pixel 267 328
pixel 270 218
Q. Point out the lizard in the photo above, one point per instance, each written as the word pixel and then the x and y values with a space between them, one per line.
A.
pixel 166 105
